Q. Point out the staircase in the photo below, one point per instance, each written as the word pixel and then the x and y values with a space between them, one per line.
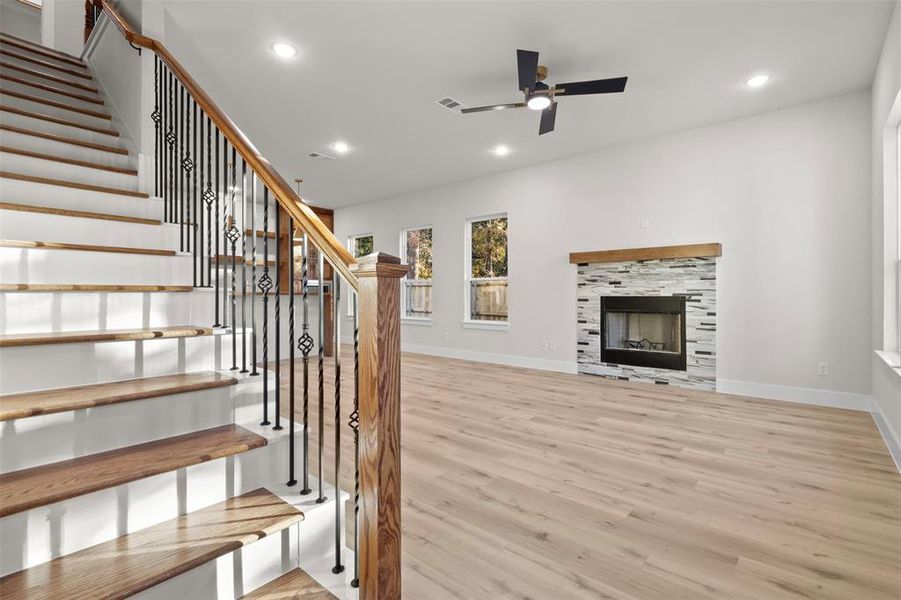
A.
pixel 129 463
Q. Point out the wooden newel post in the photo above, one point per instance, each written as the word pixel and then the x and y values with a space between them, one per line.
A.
pixel 379 322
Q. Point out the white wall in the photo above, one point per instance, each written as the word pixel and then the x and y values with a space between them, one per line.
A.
pixel 886 84
pixel 20 20
pixel 783 192
pixel 62 26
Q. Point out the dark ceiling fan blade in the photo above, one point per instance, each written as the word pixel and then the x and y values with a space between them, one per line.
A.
pixel 527 67
pixel 596 86
pixel 476 109
pixel 548 116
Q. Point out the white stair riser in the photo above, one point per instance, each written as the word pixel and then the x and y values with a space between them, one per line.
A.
pixel 41 534
pixel 24 225
pixel 4 44
pixel 38 144
pixel 26 165
pixel 57 196
pixel 54 111
pixel 63 85
pixel 30 368
pixel 43 439
pixel 38 312
pixel 11 60
pixel 52 95
pixel 76 266
pixel 86 135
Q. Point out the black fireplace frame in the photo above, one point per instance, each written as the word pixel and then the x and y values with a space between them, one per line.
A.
pixel 674 305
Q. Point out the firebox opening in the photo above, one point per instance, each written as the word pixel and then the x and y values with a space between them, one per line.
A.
pixel 643 331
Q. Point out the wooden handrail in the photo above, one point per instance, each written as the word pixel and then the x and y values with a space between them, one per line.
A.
pixel 303 215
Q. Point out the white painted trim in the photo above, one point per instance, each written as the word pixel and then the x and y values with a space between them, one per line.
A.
pixel 891 359
pixel 419 321
pixel 849 400
pixel 486 325
pixel 889 436
pixel 560 366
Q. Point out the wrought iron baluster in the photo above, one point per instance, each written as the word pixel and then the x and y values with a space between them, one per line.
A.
pixel 253 273
pixel 292 480
pixel 305 345
pixel 216 291
pixel 265 285
pixel 321 335
pixel 188 165
pixel 209 197
pixel 278 308
pixel 354 423
pixel 233 236
pixel 170 149
pixel 243 266
pixel 181 171
pixel 156 117
pixel 197 173
pixel 336 297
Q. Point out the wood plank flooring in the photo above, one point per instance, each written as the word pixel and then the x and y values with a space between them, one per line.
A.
pixel 528 484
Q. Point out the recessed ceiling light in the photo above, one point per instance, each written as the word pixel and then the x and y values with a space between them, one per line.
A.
pixel 284 50
pixel 501 150
pixel 757 81
pixel 341 147
pixel 539 102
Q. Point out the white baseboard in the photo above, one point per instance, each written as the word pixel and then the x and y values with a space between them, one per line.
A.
pixel 849 400
pixel 561 366
pixel 889 435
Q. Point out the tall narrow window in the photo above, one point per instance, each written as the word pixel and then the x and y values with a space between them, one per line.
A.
pixel 359 245
pixel 416 251
pixel 486 269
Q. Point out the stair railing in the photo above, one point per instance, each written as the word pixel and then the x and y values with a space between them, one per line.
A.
pixel 208 175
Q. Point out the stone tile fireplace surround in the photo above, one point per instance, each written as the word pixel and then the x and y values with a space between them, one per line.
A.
pixel 680 271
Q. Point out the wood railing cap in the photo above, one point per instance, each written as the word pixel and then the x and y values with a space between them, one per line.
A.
pixel 379 264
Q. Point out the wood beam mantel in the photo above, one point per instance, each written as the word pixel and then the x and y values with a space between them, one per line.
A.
pixel 627 254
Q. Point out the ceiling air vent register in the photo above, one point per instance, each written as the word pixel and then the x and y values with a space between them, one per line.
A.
pixel 450 104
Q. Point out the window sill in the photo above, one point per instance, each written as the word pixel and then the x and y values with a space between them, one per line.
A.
pixel 487 325
pixel 419 321
pixel 892 360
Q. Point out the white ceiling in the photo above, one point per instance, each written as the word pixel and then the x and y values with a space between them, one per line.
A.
pixel 369 73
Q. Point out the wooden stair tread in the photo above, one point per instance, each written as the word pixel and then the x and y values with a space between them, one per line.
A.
pixel 136 561
pixel 45 402
pixel 51 119
pixel 81 74
pixel 55 104
pixel 63 139
pixel 293 585
pixel 72 184
pixel 14 340
pixel 47 76
pixel 30 46
pixel 90 287
pixel 68 161
pixel 32 245
pixel 40 486
pixel 81 214
pixel 49 88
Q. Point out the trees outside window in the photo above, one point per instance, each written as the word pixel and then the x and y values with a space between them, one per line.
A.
pixel 486 269
pixel 416 251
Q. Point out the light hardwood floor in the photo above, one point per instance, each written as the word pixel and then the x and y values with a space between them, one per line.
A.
pixel 535 485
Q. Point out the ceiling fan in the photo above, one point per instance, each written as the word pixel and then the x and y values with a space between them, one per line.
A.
pixel 537 95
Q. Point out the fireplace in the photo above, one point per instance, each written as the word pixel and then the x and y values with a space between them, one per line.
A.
pixel 643 331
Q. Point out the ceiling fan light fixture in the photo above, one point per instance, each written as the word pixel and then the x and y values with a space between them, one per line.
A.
pixel 539 102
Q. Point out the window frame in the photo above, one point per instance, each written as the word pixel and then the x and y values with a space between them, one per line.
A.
pixel 468 321
pixel 404 259
pixel 351 246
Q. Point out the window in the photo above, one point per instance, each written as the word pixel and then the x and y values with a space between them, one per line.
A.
pixel 359 245
pixel 416 251
pixel 486 270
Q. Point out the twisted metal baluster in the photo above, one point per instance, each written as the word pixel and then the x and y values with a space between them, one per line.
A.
pixel 265 284
pixel 321 333
pixel 291 479
pixel 170 154
pixel 181 173
pixel 354 422
pixel 216 291
pixel 208 197
pixel 192 172
pixel 253 273
pixel 278 322
pixel 336 297
pixel 233 235
pixel 243 267
pixel 305 345
pixel 156 117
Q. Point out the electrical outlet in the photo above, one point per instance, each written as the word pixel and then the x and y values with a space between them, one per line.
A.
pixel 552 345
pixel 645 222
pixel 823 369
pixel 447 335
pixel 543 346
